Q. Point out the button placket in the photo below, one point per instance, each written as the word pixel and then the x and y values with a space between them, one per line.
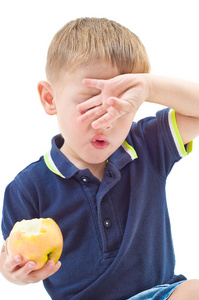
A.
pixel 110 228
pixel 90 187
pixel 111 235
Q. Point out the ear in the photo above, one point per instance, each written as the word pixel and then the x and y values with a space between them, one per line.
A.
pixel 47 98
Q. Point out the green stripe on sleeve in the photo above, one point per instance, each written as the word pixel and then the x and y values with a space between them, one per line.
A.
pixel 189 146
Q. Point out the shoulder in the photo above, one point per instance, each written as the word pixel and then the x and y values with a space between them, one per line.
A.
pixel 32 175
pixel 36 167
pixel 159 120
pixel 156 140
pixel 152 130
pixel 162 131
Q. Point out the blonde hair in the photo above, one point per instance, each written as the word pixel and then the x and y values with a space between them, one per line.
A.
pixel 85 41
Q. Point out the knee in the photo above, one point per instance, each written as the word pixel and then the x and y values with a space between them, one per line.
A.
pixel 194 288
pixel 186 291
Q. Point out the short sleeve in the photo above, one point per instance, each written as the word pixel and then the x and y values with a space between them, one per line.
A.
pixel 17 206
pixel 160 140
pixel 182 149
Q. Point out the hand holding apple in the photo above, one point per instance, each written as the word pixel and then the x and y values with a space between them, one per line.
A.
pixel 37 240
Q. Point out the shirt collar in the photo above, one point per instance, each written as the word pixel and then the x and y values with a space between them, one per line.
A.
pixel 59 164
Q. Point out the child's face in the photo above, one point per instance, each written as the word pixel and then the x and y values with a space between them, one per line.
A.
pixel 83 145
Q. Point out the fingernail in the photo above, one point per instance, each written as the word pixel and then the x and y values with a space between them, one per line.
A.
pixel 17 258
pixel 31 265
pixel 51 263
pixel 58 264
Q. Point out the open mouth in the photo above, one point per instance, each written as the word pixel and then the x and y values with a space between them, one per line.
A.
pixel 99 142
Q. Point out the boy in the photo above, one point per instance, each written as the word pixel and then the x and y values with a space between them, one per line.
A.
pixel 104 179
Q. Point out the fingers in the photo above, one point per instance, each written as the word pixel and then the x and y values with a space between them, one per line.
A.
pixel 12 263
pixel 20 272
pixel 49 269
pixel 107 119
pixel 105 114
pixel 92 114
pixel 97 83
pixel 26 274
pixel 88 104
pixel 20 275
pixel 121 105
pixel 113 101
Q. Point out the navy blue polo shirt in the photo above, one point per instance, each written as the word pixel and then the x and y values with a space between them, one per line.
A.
pixel 117 236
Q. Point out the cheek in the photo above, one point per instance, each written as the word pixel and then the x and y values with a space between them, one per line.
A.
pixel 125 124
pixel 66 116
pixel 71 128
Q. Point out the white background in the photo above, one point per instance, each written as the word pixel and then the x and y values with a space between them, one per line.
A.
pixel 169 31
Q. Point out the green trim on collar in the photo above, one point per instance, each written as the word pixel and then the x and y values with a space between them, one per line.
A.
pixel 130 150
pixel 50 164
pixel 52 167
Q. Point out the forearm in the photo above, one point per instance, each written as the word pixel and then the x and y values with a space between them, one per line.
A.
pixel 124 94
pixel 178 94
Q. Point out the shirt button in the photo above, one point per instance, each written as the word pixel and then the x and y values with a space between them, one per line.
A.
pixel 107 223
pixel 85 179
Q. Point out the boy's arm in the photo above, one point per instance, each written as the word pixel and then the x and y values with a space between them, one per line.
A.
pixel 13 272
pixel 125 93
pixel 183 97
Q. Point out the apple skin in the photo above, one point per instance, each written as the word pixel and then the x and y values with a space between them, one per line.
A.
pixel 47 244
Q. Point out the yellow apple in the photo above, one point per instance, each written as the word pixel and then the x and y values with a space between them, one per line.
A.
pixel 38 240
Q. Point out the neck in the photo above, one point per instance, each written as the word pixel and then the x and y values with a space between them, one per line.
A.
pixel 97 170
